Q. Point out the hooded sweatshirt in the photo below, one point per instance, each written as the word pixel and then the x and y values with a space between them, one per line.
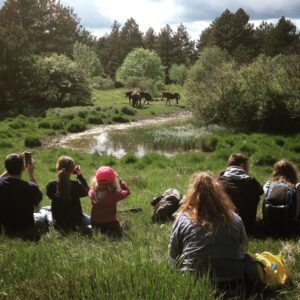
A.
pixel 244 192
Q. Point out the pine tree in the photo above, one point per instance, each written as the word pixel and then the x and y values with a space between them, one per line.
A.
pixel 150 39
pixel 166 49
pixel 184 46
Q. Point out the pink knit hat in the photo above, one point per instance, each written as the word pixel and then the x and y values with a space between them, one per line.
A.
pixel 106 174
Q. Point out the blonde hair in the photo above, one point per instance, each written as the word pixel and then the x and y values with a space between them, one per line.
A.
pixel 284 170
pixel 206 201
pixel 65 166
pixel 105 186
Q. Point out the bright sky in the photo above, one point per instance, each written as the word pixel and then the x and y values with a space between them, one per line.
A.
pixel 98 15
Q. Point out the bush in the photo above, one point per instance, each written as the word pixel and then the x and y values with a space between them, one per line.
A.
pixel 119 119
pixel 44 124
pixel 76 125
pixel 209 144
pixel 57 125
pixel 247 149
pixel 32 141
pixel 94 119
pixel 17 124
pixel 279 141
pixel 129 158
pixel 127 110
pixel 254 97
pixel 264 159
pixel 101 83
pixel 82 114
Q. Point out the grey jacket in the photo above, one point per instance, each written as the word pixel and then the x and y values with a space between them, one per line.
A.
pixel 197 249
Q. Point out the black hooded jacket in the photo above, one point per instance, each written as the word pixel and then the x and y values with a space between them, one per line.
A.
pixel 245 192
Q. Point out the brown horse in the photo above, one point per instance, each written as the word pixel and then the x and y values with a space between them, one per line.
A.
pixel 128 95
pixel 169 96
pixel 136 99
pixel 146 96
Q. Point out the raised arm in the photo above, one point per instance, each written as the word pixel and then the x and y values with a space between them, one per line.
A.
pixel 125 191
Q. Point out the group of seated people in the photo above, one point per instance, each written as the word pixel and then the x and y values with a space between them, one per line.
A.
pixel 18 199
pixel 211 225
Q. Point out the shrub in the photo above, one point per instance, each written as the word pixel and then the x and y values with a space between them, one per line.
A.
pixel 119 119
pixel 82 114
pixel 109 160
pixel 254 97
pixel 17 124
pixel 127 110
pixel 76 125
pixel 101 83
pixel 57 125
pixel 264 159
pixel 209 144
pixel 32 141
pixel 279 141
pixel 129 158
pixel 94 119
pixel 44 124
pixel 247 149
pixel 178 73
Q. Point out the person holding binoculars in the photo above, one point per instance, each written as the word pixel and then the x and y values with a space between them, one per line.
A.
pixel 65 197
pixel 18 199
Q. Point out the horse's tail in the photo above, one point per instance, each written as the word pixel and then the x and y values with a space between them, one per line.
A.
pixel 178 97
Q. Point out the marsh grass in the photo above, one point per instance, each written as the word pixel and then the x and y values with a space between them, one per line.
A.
pixel 78 267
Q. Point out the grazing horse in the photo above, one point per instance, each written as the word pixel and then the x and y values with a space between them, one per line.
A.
pixel 128 95
pixel 169 96
pixel 136 99
pixel 146 96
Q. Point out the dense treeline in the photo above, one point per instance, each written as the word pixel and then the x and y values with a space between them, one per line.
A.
pixel 49 59
pixel 233 33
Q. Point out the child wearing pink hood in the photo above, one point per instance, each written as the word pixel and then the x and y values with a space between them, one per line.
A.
pixel 106 190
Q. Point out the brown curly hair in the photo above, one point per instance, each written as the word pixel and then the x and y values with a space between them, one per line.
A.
pixel 284 170
pixel 206 200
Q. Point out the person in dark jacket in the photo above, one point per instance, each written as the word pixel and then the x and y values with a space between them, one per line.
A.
pixel 18 199
pixel 244 190
pixel 65 196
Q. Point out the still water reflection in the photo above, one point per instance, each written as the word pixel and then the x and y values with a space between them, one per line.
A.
pixel 118 140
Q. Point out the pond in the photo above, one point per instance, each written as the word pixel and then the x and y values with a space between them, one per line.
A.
pixel 119 139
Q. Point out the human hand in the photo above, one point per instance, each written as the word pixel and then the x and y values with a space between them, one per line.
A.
pixel 30 167
pixel 77 170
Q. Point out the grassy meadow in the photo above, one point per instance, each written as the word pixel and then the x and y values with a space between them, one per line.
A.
pixel 80 267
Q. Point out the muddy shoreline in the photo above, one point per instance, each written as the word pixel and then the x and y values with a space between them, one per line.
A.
pixel 62 141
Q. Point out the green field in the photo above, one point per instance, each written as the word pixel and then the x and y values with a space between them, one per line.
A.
pixel 78 267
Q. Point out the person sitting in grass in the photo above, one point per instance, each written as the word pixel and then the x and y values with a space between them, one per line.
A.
pixel 281 206
pixel 18 199
pixel 243 190
pixel 106 190
pixel 65 197
pixel 207 234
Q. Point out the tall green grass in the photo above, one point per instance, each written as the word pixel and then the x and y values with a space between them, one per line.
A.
pixel 135 267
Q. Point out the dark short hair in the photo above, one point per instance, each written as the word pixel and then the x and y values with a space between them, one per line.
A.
pixel 14 164
pixel 237 159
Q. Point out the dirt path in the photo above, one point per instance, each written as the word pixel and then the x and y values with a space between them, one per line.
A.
pixel 62 140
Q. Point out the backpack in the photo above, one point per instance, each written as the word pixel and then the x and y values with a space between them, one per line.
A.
pixel 165 205
pixel 270 270
pixel 279 208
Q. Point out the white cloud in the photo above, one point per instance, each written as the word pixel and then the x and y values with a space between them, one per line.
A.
pixel 98 15
pixel 147 13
